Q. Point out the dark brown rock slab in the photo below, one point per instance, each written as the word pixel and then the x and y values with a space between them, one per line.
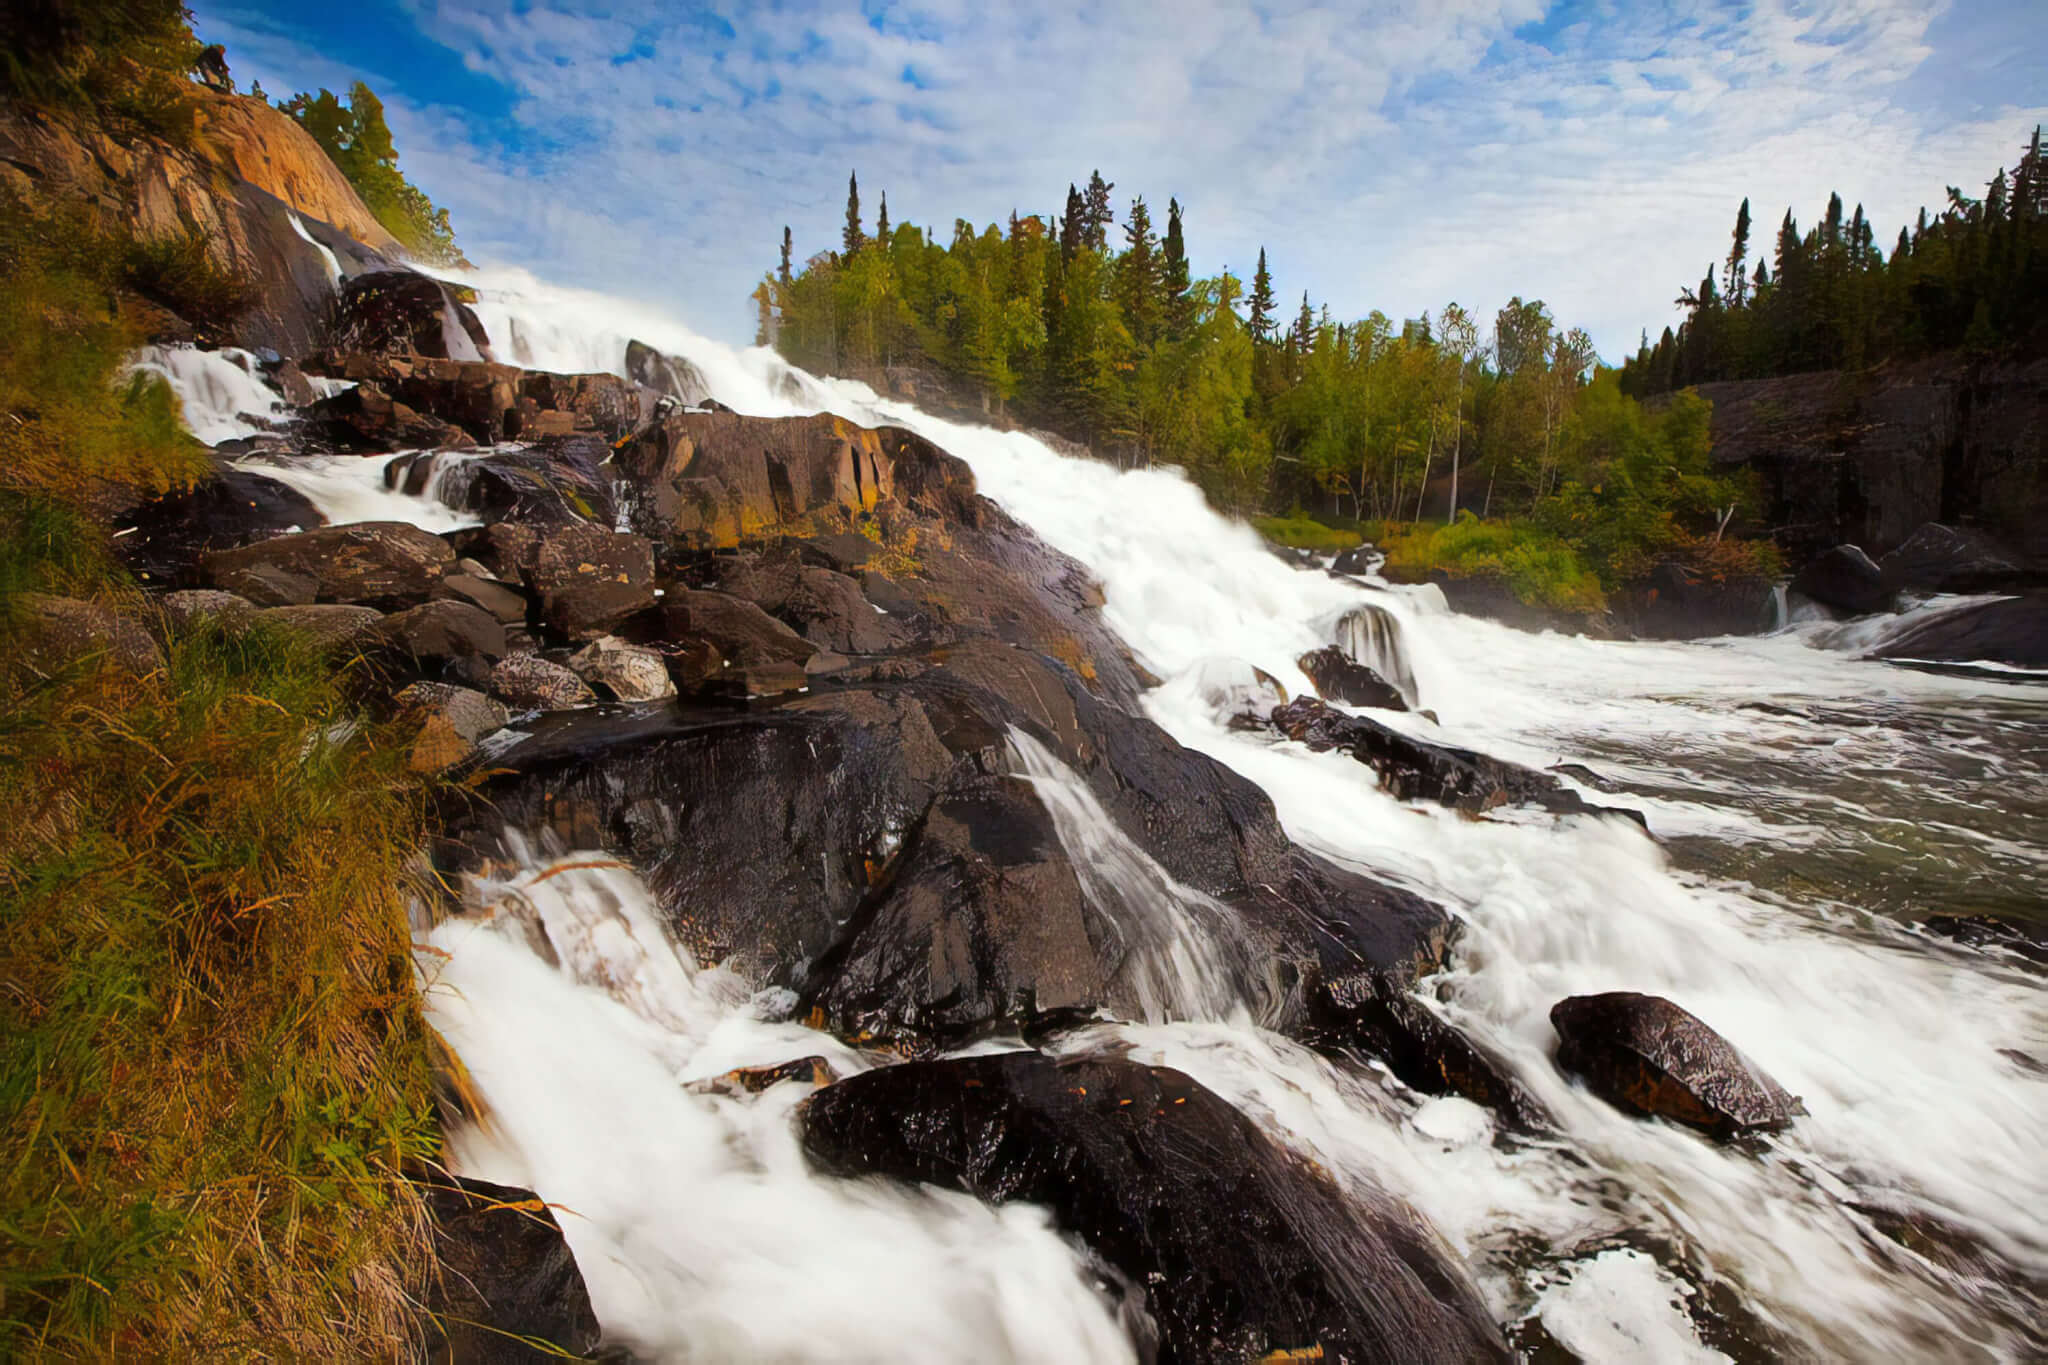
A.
pixel 1938 558
pixel 2012 630
pixel 375 563
pixel 162 540
pixel 1339 677
pixel 504 1276
pixel 1846 579
pixel 442 631
pixel 1244 1251
pixel 58 632
pixel 1646 1055
pixel 405 312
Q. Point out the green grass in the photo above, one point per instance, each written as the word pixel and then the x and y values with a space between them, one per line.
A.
pixel 214 1064
pixel 1299 532
pixel 1540 569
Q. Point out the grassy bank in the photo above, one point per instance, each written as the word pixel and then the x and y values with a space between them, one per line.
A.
pixel 214 1062
pixel 1300 532
pixel 1539 568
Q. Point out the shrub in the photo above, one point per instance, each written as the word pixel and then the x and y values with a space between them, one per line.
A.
pixel 1299 532
pixel 1539 568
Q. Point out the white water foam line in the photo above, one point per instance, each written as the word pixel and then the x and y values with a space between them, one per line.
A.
pixel 222 394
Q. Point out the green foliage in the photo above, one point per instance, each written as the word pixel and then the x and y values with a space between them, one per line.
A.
pixel 1540 568
pixel 356 138
pixel 1299 532
pixel 100 53
pixel 1974 276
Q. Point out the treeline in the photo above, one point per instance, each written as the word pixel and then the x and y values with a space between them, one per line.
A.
pixel 357 140
pixel 1974 276
pixel 1099 331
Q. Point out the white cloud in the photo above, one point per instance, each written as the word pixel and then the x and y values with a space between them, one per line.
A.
pixel 1391 155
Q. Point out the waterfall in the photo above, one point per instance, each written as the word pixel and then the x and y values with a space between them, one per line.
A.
pixel 1812 805
pixel 1371 636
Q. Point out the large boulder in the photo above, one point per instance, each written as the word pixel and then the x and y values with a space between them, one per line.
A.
pixel 588 579
pixel 550 483
pixel 503 1277
pixel 827 607
pixel 1244 1250
pixel 405 312
pixel 750 652
pixel 670 376
pixel 376 563
pixel 443 631
pixel 2012 630
pixel 56 632
pixel 333 627
pixel 475 401
pixel 1339 677
pixel 1846 579
pixel 447 721
pixel 1646 1055
pixel 623 672
pixel 161 540
pixel 1938 558
pixel 528 682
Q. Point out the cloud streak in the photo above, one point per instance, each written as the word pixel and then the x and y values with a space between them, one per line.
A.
pixel 1389 155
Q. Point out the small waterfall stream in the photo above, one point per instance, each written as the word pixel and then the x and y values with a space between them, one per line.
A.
pixel 1807 805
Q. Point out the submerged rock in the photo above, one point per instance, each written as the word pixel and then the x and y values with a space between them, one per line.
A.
pixel 1845 578
pixel 502 1272
pixel 1244 1250
pixel 2013 630
pixel 1339 677
pixel 1646 1055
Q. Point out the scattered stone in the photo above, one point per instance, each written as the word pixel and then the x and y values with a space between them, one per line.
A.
pixel 1355 561
pixel 505 604
pixel 1845 578
pixel 1244 1251
pixel 528 682
pixel 622 671
pixel 1643 1054
pixel 377 563
pixel 56 632
pixel 188 607
pixel 591 579
pixel 503 1272
pixel 443 630
pixel 452 721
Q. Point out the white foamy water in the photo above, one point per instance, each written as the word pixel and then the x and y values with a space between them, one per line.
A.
pixel 1807 802
pixel 222 393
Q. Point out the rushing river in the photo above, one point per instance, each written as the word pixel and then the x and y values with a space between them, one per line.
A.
pixel 1807 806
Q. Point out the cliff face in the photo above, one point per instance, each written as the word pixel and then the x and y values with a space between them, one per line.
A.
pixel 1866 457
pixel 249 170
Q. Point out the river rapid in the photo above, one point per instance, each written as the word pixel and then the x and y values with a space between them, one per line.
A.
pixel 1806 808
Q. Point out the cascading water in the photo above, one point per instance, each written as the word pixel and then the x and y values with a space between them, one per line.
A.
pixel 1807 805
pixel 1371 636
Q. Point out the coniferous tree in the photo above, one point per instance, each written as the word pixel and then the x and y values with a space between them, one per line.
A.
pixel 782 271
pixel 1734 284
pixel 1140 286
pixel 1073 225
pixel 1260 324
pixel 1304 334
pixel 1096 215
pixel 1180 303
pixel 852 238
pixel 882 223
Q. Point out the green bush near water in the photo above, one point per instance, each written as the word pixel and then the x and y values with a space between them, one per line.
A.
pixel 1540 568
pixel 1298 532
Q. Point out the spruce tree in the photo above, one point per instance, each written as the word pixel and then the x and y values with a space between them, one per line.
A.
pixel 1180 303
pixel 851 239
pixel 1096 213
pixel 1304 335
pixel 782 274
pixel 1073 225
pixel 1139 283
pixel 1261 320
pixel 882 223
pixel 1736 287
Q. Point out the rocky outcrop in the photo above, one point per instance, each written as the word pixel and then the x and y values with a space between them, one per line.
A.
pixel 2011 630
pixel 503 1277
pixel 1863 458
pixel 1339 677
pixel 670 376
pixel 406 400
pixel 1646 1055
pixel 1243 1250
pixel 1937 558
pixel 370 562
pixel 448 722
pixel 162 539
pixel 1680 599
pixel 54 633
pixel 1845 578
pixel 240 183
pixel 406 313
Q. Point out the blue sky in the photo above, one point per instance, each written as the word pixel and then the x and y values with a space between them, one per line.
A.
pixel 1388 155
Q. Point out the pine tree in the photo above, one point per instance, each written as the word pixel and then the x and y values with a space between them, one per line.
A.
pixel 1261 320
pixel 852 238
pixel 1073 225
pixel 1139 282
pixel 782 275
pixel 882 223
pixel 1304 334
pixel 1096 214
pixel 1180 303
pixel 1734 285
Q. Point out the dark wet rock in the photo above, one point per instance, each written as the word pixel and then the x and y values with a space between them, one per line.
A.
pixel 1678 599
pixel 441 631
pixel 162 540
pixel 623 672
pixel 670 376
pixel 470 402
pixel 1244 1250
pixel 449 722
pixel 53 633
pixel 369 418
pixel 1417 770
pixel 1355 561
pixel 503 1271
pixel 404 312
pixel 984 920
pixel 1846 579
pixel 1387 1022
pixel 826 607
pixel 1648 1056
pixel 501 600
pixel 528 682
pixel 2012 630
pixel 1938 558
pixel 378 563
pixel 588 579
pixel 1339 677
pixel 329 625
pixel 1579 772
pixel 550 483
pixel 813 1072
pixel 188 608
pixel 743 634
pixel 2028 939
